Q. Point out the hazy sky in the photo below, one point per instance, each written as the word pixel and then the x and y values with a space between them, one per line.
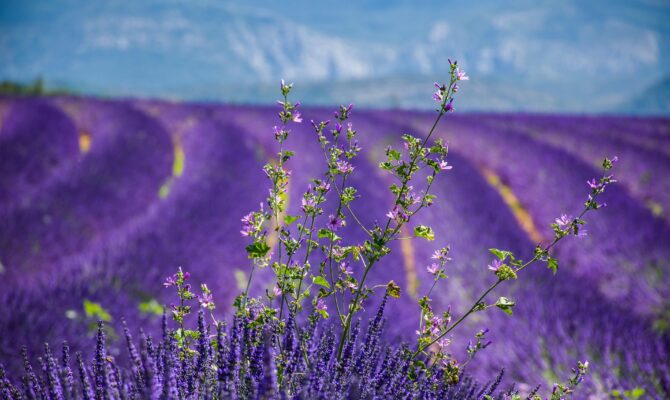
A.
pixel 567 55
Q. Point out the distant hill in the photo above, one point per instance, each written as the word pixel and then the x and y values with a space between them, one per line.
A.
pixel 527 55
pixel 655 100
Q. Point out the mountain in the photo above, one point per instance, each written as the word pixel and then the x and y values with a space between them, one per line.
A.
pixel 529 55
pixel 655 99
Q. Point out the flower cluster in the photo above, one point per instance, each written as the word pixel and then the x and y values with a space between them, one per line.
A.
pixel 301 339
pixel 240 362
pixel 335 280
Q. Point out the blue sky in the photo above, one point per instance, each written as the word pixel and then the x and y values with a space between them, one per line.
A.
pixel 524 55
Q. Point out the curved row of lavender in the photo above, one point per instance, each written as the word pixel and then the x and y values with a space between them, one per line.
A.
pixel 99 200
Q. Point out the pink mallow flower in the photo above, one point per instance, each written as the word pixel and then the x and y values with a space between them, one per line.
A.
pixel 443 165
pixel 495 265
pixel 205 300
pixel 334 222
pixel 308 203
pixel 434 268
pixel 564 221
pixel 345 268
pixel 396 214
pixel 170 281
pixel 321 305
pixel 449 106
pixel 461 76
pixel 344 167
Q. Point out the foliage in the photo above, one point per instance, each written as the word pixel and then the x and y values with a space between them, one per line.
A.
pixel 272 347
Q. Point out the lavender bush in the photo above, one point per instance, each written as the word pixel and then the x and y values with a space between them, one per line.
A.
pixel 284 343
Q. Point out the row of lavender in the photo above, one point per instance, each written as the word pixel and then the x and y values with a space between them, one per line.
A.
pixel 88 230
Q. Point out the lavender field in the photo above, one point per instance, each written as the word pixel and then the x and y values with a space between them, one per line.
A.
pixel 100 200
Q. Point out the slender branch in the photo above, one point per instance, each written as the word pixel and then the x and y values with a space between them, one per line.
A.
pixel 385 239
pixel 490 288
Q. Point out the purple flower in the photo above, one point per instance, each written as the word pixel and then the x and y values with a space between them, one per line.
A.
pixel 397 214
pixel 321 305
pixel 393 214
pixel 170 281
pixel 277 132
pixel 308 203
pixel 345 268
pixel 449 106
pixel 296 117
pixel 443 165
pixel 247 227
pixel 338 252
pixel 434 268
pixel 442 254
pixel 435 324
pixel 411 197
pixel 495 265
pixel 334 222
pixel 323 187
pixel 461 76
pixel 277 291
pixel 564 221
pixel 344 167
pixel 593 184
pixel 350 285
pixel 205 300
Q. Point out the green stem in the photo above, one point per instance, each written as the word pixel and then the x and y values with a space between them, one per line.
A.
pixel 353 305
pixel 479 300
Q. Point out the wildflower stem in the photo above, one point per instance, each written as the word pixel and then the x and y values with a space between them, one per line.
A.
pixel 330 251
pixel 354 304
pixel 494 285
pixel 422 313
pixel 246 290
pixel 274 194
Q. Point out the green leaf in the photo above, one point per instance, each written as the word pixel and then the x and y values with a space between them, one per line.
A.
pixel 424 232
pixel 321 281
pixel 505 304
pixel 552 263
pixel 637 393
pixel 325 233
pixel 501 254
pixel 95 310
pixel 393 290
pixel 289 219
pixel 257 249
pixel 287 155
pixel 386 165
pixel 394 155
pixel 151 307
